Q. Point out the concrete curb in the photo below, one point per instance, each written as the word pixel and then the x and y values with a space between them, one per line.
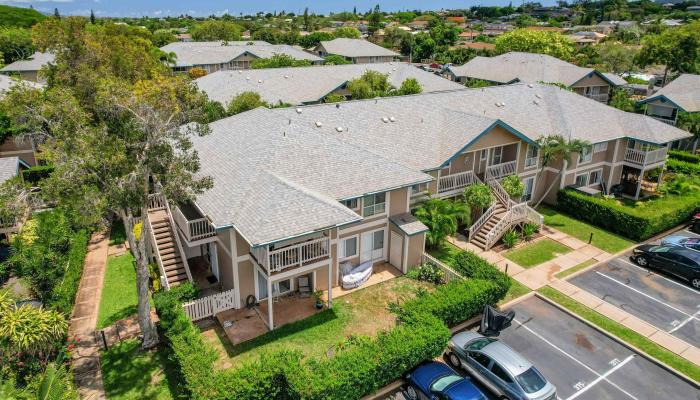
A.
pixel 619 340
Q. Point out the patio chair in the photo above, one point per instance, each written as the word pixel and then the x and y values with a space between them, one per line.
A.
pixel 304 287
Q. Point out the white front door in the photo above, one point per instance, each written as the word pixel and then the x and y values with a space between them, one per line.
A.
pixel 396 250
pixel 372 246
pixel 366 242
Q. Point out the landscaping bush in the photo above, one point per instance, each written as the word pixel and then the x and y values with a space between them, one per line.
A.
pixel 639 222
pixel 510 238
pixel 37 173
pixel 470 265
pixel 683 156
pixel 63 294
pixel 427 272
pixel 683 167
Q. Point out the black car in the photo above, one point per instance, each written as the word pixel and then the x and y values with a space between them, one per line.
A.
pixel 679 261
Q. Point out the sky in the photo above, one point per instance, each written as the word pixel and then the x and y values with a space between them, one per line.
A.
pixel 156 8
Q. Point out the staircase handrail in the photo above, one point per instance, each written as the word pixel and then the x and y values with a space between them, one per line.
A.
pixel 482 220
pixel 501 193
pixel 174 230
pixel 149 229
pixel 517 214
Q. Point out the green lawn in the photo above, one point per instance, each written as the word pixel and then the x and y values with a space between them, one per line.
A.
pixel 602 239
pixel 364 312
pixel 628 335
pixel 536 253
pixel 575 268
pixel 130 373
pixel 516 290
pixel 119 298
pixel 446 252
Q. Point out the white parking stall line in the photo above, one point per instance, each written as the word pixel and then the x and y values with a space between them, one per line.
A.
pixel 537 335
pixel 601 377
pixel 686 287
pixel 644 294
pixel 679 326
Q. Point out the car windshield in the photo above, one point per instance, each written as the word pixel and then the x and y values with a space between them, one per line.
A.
pixel 440 384
pixel 531 380
pixel 659 249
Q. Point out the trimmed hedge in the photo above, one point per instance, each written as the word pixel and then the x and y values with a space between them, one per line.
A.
pixel 37 173
pixel 684 156
pixel 63 294
pixel 351 373
pixel 683 167
pixel 636 224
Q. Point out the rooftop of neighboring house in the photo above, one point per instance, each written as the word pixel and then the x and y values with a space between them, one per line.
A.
pixel 205 53
pixel 9 168
pixel 310 84
pixel 289 167
pixel 616 79
pixel 683 91
pixel 522 67
pixel 33 63
pixel 356 48
pixel 6 82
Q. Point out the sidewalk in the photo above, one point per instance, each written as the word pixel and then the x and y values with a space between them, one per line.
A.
pixel 86 357
pixel 670 342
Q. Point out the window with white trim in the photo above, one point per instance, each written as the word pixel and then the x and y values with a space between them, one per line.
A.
pixel 531 155
pixel 581 180
pixel 586 155
pixel 595 177
pixel 483 155
pixel 598 147
pixel 529 187
pixel 352 204
pixel 496 155
pixel 373 204
pixel 349 247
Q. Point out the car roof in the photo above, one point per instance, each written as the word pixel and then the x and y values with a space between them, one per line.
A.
pixel 507 357
pixel 689 253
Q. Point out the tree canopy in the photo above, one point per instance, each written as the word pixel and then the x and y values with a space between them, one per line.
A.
pixel 543 42
pixel 216 30
pixel 279 61
pixel 678 49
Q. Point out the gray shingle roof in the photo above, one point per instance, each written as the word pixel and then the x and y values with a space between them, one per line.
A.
pixel 9 168
pixel 356 48
pixel 523 67
pixel 34 63
pixel 616 79
pixel 309 84
pixel 205 53
pixel 278 174
pixel 408 224
pixel 6 82
pixel 683 91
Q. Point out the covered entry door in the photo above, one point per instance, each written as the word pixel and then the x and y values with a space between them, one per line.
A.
pixel 372 245
pixel 396 250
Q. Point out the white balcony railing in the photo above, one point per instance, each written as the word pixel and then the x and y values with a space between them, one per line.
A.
pixel 664 120
pixel 643 158
pixel 603 97
pixel 291 256
pixel 195 229
pixel 499 171
pixel 530 162
pixel 156 201
pixel 456 182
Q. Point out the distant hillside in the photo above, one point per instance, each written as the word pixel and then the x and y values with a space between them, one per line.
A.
pixel 17 16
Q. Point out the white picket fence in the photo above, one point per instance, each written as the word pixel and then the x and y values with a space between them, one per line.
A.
pixel 210 305
pixel 450 274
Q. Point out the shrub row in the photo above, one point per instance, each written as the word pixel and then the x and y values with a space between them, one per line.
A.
pixel 683 167
pixel 63 294
pixel 684 156
pixel 361 368
pixel 37 173
pixel 636 224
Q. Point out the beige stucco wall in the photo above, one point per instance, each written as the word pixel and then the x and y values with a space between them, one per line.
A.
pixel 225 262
pixel 591 80
pixel 246 279
pixel 23 150
pixel 415 249
pixel 495 137
pixel 398 201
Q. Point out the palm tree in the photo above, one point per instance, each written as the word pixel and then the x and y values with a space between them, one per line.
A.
pixel 557 148
pixel 442 217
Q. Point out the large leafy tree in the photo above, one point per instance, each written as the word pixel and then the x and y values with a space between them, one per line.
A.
pixel 245 101
pixel 442 217
pixel 616 57
pixel 678 49
pixel 216 30
pixel 543 42
pixel 279 61
pixel 114 135
pixel 478 196
pixel 15 44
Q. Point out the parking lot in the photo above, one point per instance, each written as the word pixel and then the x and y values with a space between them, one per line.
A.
pixel 584 363
pixel 667 303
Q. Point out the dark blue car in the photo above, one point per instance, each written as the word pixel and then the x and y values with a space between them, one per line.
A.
pixel 436 381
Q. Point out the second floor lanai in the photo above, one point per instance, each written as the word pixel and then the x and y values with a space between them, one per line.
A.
pixel 680 95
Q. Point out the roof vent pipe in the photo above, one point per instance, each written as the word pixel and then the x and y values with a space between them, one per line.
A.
pixel 339 128
pixel 298 110
pixel 385 119
pixel 392 119
pixel 319 124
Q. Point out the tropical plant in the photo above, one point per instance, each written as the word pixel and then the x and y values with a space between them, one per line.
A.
pixel 334 59
pixel 427 272
pixel 441 217
pixel 510 238
pixel 478 196
pixel 529 231
pixel 334 98
pixel 196 72
pixel 29 329
pixel 681 185
pixel 553 149
pixel 513 186
pixel 531 41
pixel 410 86
pixel 368 85
pixel 279 61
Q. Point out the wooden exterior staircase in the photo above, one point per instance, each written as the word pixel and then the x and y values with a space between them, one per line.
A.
pixel 501 216
pixel 166 243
